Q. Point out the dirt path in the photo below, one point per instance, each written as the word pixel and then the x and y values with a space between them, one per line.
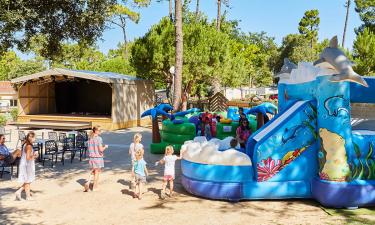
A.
pixel 58 198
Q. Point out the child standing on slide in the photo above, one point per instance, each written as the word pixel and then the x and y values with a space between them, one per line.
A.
pixel 169 170
pixel 139 173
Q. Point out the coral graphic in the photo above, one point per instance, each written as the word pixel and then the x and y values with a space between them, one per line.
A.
pixel 269 169
pixel 323 176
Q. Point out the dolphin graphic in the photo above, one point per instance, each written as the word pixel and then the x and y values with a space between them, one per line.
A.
pixel 287 67
pixel 335 105
pixel 291 133
pixel 334 56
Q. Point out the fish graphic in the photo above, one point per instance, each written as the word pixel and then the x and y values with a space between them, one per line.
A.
pixel 337 106
pixel 291 133
pixel 337 58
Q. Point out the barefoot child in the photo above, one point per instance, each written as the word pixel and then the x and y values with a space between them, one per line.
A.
pixel 27 166
pixel 136 145
pixel 169 170
pixel 96 149
pixel 139 172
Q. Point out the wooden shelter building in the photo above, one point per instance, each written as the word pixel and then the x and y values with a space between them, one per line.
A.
pixel 58 96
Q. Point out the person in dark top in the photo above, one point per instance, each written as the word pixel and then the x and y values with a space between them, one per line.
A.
pixel 242 115
pixel 243 132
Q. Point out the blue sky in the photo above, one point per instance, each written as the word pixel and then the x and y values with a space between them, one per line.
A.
pixel 277 18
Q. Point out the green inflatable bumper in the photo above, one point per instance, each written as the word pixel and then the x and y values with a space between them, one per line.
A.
pixel 183 128
pixel 176 138
pixel 159 148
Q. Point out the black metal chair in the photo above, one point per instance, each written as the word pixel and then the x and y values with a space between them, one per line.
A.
pixel 83 133
pixel 16 164
pixel 51 151
pixel 21 137
pixel 62 137
pixel 70 146
pixel 52 135
pixel 81 144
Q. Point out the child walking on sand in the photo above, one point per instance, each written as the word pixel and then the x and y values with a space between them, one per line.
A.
pixel 139 173
pixel 136 145
pixel 169 170
pixel 95 149
pixel 27 166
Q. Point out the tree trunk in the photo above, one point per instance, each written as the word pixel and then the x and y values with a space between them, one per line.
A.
pixel 260 120
pixel 123 27
pixel 218 15
pixel 197 9
pixel 346 22
pixel 216 86
pixel 155 131
pixel 171 10
pixel 179 56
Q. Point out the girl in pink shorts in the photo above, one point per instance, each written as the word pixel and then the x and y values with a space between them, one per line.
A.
pixel 169 171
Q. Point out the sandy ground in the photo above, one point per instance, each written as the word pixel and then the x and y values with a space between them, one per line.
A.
pixel 58 198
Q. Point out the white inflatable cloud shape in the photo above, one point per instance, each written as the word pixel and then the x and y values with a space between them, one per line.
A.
pixel 305 72
pixel 207 152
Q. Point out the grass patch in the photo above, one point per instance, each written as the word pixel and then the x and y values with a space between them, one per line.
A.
pixel 356 216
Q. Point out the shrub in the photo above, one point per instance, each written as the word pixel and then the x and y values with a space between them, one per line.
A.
pixel 3 120
pixel 14 114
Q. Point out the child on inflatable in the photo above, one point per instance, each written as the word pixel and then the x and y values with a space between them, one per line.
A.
pixel 139 173
pixel 243 132
pixel 242 115
pixel 169 170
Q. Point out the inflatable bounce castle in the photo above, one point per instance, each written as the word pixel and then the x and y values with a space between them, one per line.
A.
pixel 308 150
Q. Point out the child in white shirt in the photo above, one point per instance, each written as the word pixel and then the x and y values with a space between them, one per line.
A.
pixel 134 147
pixel 169 170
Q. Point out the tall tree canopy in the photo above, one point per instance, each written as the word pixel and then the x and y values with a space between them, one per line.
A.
pixel 11 66
pixel 364 52
pixel 56 21
pixel 309 26
pixel 119 14
pixel 366 11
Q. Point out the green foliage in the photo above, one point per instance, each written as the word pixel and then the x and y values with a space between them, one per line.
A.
pixel 26 67
pixel 309 25
pixel 14 114
pixel 3 120
pixel 11 66
pixel 366 11
pixel 56 21
pixel 229 56
pixel 78 57
pixel 297 48
pixel 364 53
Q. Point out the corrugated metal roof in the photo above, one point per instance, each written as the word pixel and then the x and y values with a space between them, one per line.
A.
pixel 107 77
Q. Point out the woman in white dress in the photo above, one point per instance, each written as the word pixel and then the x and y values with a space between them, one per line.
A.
pixel 27 166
